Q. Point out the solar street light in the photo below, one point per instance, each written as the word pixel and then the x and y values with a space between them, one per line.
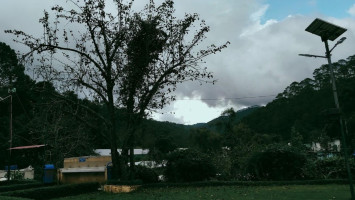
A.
pixel 328 31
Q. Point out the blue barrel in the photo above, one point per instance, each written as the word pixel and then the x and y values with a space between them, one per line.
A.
pixel 49 173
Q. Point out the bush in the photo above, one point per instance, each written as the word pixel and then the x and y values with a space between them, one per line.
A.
pixel 189 165
pixel 277 163
pixel 146 174
pixel 223 164
pixel 328 168
pixel 54 191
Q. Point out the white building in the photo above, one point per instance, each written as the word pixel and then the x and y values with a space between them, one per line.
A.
pixel 107 152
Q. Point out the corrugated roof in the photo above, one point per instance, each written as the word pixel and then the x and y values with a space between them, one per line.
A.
pixel 28 147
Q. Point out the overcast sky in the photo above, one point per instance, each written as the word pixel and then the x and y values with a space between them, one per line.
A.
pixel 266 37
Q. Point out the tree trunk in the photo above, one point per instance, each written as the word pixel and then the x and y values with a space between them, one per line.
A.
pixel 131 153
pixel 116 161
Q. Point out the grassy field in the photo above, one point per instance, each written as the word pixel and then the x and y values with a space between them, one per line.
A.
pixel 294 192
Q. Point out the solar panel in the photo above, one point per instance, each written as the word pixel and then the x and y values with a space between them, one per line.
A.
pixel 325 30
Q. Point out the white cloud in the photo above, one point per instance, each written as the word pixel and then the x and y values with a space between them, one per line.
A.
pixel 259 13
pixel 189 111
pixel 351 10
pixel 255 24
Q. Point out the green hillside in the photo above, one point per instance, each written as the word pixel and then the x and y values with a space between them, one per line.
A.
pixel 305 106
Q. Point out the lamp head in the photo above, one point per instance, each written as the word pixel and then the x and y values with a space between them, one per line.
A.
pixel 341 40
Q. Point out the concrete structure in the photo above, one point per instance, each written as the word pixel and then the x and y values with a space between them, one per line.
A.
pixel 84 169
pixel 28 173
pixel 107 152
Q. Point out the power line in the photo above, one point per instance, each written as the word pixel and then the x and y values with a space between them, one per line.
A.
pixel 227 98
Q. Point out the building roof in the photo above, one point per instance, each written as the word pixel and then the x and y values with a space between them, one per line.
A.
pixel 28 147
pixel 82 169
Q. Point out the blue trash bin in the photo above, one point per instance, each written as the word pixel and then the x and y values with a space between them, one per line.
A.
pixel 49 173
pixel 109 170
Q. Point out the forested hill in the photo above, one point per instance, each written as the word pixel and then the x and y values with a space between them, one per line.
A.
pixel 303 107
pixel 220 123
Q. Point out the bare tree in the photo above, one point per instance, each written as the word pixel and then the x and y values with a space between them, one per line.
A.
pixel 141 57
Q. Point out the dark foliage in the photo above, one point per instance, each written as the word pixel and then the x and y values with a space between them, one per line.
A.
pixel 277 163
pixel 28 185
pixel 189 165
pixel 54 191
pixel 328 168
pixel 147 175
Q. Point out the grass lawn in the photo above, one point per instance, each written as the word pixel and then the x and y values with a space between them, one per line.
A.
pixel 294 192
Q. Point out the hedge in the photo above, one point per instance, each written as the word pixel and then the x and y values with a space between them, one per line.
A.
pixel 117 182
pixel 14 187
pixel 54 191
pixel 13 198
pixel 17 182
pixel 247 183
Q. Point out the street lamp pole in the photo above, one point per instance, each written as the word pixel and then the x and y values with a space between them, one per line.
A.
pixel 10 141
pixel 336 100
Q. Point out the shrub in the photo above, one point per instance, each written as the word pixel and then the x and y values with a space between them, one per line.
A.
pixel 223 164
pixel 327 168
pixel 147 175
pixel 54 191
pixel 277 163
pixel 189 165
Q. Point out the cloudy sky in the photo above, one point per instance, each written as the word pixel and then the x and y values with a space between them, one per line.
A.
pixel 266 37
